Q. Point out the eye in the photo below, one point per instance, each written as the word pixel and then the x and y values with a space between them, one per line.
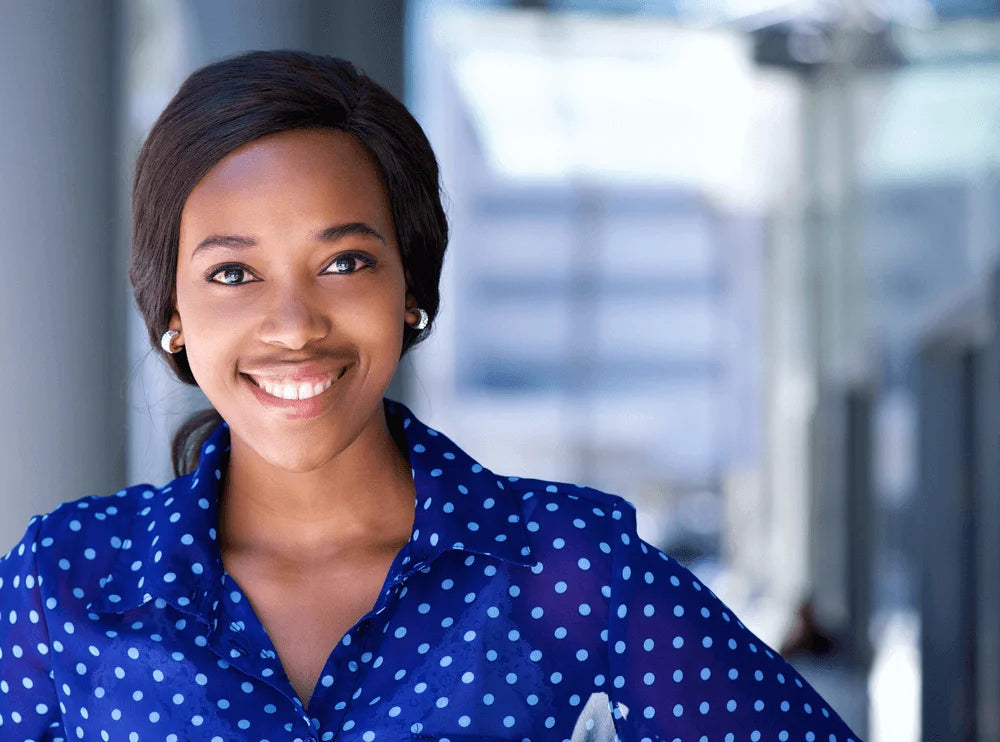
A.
pixel 350 262
pixel 230 275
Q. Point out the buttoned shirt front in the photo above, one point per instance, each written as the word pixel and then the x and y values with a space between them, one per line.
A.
pixel 518 610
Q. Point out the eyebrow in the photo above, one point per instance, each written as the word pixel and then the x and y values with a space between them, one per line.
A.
pixel 330 234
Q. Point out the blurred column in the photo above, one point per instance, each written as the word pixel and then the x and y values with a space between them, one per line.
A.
pixel 948 496
pixel 818 468
pixel 986 423
pixel 165 41
pixel 841 510
pixel 62 360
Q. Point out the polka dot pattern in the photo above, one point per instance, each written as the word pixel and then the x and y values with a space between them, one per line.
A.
pixel 518 610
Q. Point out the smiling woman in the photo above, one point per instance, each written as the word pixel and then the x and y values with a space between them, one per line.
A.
pixel 324 565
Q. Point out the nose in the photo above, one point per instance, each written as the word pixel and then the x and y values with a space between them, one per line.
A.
pixel 293 319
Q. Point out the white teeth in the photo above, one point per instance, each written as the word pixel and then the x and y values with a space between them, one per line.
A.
pixel 293 390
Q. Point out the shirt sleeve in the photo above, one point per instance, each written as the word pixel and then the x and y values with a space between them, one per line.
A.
pixel 683 667
pixel 29 709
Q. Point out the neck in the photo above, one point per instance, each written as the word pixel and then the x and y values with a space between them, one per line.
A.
pixel 362 498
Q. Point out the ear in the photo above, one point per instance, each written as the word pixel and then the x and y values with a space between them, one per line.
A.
pixel 412 316
pixel 175 316
pixel 410 301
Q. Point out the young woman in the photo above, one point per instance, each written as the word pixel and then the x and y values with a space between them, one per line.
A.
pixel 325 566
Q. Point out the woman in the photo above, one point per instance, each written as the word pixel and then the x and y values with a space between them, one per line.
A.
pixel 325 566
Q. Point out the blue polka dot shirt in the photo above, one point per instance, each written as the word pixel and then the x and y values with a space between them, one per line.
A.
pixel 518 610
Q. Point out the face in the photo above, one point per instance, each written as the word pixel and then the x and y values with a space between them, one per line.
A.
pixel 291 295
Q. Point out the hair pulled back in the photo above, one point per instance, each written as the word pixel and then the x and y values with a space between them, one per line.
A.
pixel 234 101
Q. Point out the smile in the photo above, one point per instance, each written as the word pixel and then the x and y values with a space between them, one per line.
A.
pixel 292 389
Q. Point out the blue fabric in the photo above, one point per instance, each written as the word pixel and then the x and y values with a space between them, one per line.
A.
pixel 519 609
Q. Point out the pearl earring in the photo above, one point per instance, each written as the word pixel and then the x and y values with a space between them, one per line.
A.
pixel 423 321
pixel 166 339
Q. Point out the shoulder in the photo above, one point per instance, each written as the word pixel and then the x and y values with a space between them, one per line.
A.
pixel 575 521
pixel 97 521
pixel 571 521
pixel 563 500
pixel 81 541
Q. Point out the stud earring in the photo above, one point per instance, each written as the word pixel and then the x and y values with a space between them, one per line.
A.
pixel 423 321
pixel 166 339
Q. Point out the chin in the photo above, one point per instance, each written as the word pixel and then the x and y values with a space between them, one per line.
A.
pixel 294 458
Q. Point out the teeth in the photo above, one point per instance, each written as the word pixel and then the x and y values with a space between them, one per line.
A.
pixel 293 390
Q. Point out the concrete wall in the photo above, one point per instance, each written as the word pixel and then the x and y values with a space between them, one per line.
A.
pixel 61 401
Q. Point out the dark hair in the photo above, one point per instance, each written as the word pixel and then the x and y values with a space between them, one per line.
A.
pixel 235 101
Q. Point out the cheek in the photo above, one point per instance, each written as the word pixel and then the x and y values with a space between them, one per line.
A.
pixel 210 329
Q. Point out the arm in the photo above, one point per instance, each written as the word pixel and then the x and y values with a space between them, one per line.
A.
pixel 29 709
pixel 684 666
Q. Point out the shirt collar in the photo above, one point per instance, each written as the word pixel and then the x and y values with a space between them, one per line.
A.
pixel 460 505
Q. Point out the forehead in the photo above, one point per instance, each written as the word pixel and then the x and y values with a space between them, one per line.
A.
pixel 309 178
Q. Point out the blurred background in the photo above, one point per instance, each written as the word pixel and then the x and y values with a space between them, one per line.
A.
pixel 735 260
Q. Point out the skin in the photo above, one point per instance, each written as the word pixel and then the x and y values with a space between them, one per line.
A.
pixel 313 510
